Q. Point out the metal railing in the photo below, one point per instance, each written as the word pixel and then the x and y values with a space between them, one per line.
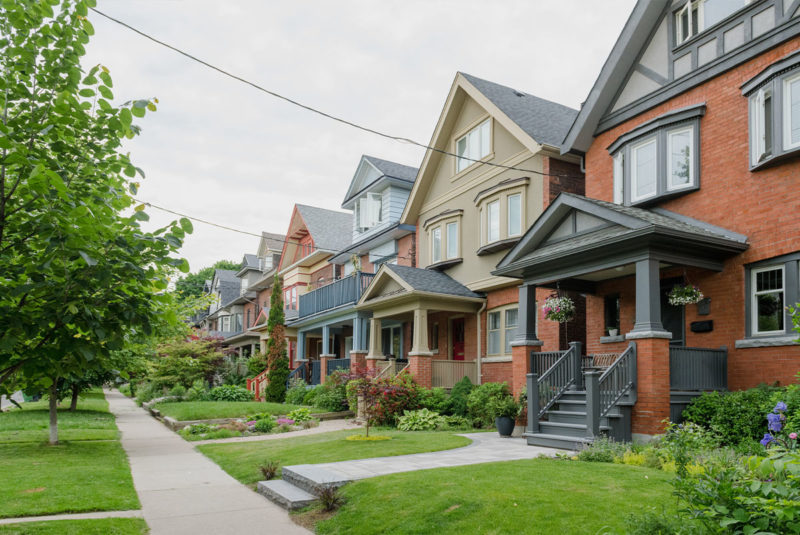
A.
pixel 316 369
pixel 617 380
pixel 541 362
pixel 335 365
pixel 696 368
pixel 544 390
pixel 299 372
pixel 446 373
pixel 335 294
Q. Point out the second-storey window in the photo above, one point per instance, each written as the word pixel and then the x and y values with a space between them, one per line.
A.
pixel 493 221
pixel 791 112
pixel 515 214
pixel 452 240
pixel 474 145
pixel 436 245
pixel 644 170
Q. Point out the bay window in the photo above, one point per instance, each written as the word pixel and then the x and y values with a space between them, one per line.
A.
pixel 444 235
pixel 452 240
pixel 791 113
pixel 493 221
pixel 644 170
pixel 515 214
pixel 436 245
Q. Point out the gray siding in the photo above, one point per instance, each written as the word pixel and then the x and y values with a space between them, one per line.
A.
pixel 394 201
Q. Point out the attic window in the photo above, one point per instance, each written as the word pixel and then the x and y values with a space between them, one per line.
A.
pixel 474 145
pixel 369 211
pixel 697 15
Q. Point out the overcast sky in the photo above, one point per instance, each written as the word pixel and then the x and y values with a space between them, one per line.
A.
pixel 222 151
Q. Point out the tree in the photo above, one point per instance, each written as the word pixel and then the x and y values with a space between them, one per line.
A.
pixel 80 279
pixel 192 284
pixel 277 360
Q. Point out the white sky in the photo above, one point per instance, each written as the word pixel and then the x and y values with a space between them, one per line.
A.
pixel 222 151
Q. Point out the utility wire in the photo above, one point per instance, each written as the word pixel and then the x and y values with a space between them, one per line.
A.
pixel 306 107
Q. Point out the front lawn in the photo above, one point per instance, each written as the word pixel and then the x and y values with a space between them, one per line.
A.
pixel 209 410
pixel 241 460
pixel 74 477
pixel 100 526
pixel 91 421
pixel 531 496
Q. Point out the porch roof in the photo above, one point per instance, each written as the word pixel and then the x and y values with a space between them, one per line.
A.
pixel 604 235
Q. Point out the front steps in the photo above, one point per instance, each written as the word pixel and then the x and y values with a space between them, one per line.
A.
pixel 564 424
pixel 300 486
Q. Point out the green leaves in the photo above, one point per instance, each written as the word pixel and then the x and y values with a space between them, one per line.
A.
pixel 186 225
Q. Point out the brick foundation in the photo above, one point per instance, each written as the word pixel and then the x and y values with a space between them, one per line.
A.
pixel 520 366
pixel 421 369
pixel 358 361
pixel 652 405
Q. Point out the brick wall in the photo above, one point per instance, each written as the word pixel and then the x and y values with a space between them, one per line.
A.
pixel 572 181
pixel 322 276
pixel 751 203
pixel 407 250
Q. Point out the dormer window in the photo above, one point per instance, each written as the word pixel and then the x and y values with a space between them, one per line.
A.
pixel 266 263
pixel 697 15
pixel 474 145
pixel 369 211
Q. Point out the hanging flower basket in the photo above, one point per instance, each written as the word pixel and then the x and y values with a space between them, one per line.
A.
pixel 560 309
pixel 682 295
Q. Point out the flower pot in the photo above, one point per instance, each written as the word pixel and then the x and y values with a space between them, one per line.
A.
pixel 613 332
pixel 505 425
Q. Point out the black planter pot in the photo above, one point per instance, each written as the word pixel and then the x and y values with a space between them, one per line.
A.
pixel 505 425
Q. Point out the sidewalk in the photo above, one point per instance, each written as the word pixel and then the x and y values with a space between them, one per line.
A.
pixel 182 491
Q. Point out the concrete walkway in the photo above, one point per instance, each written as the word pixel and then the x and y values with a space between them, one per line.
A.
pixel 485 448
pixel 74 516
pixel 324 427
pixel 182 491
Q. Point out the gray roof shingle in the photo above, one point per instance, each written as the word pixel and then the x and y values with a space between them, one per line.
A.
pixel 274 241
pixel 545 121
pixel 330 230
pixel 393 169
pixel 250 261
pixel 426 280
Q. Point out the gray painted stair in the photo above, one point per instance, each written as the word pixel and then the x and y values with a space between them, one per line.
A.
pixel 285 494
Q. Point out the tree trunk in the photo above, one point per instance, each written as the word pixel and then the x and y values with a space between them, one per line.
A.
pixel 54 412
pixel 73 405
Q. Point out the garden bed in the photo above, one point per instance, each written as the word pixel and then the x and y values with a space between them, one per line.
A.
pixel 213 410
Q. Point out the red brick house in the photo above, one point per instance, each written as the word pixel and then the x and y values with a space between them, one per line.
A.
pixel 690 138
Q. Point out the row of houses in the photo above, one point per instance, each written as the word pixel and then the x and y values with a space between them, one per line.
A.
pixel 680 169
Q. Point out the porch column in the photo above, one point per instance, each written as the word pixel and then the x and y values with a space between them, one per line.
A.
pixel 301 346
pixel 526 342
pixel 419 358
pixel 375 345
pixel 359 352
pixel 326 342
pixel 648 302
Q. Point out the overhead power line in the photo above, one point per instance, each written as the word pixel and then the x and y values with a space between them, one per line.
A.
pixel 306 107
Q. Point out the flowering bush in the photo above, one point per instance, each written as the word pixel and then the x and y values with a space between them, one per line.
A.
pixel 285 421
pixel 681 295
pixel 560 309
pixel 385 397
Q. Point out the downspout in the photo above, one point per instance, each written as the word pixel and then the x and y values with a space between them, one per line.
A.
pixel 478 330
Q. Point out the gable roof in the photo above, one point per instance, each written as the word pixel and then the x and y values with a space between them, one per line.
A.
pixel 225 275
pixel 427 280
pixel 250 261
pixel 393 169
pixel 545 121
pixel 371 169
pixel 620 224
pixel 271 241
pixel 330 230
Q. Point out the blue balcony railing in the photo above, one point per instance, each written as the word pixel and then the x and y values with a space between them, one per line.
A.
pixel 338 293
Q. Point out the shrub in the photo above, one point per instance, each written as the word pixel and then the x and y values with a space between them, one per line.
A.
pixel 332 396
pixel 602 450
pixel 148 391
pixel 264 425
pixel 458 396
pixel 455 423
pixel 435 399
pixel 230 393
pixel 311 395
pixel 310 423
pixel 420 420
pixel 488 401
pixel 733 416
pixel 297 391
pixel 198 429
pixel 300 415
pixel 284 428
pixel 386 398
pixel 269 469
pixel 198 392
pixel 177 391
pixel 125 390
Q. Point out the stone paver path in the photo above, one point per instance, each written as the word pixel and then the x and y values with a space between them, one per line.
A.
pixel 182 491
pixel 485 448
pixel 324 427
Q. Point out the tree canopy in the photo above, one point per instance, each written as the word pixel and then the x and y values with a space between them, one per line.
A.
pixel 192 284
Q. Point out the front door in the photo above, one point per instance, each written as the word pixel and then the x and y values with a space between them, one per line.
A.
pixel 672 316
pixel 458 339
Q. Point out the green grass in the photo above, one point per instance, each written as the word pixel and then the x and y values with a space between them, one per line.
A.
pixel 101 526
pixel 91 421
pixel 533 496
pixel 69 478
pixel 241 460
pixel 209 410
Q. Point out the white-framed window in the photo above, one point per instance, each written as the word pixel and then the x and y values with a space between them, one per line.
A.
pixel 493 332
pixel 697 15
pixel 619 177
pixel 436 245
pixel 510 327
pixel 791 112
pixel 644 169
pixel 514 211
pixel 767 304
pixel 451 240
pixel 493 221
pixel 369 211
pixel 433 338
pixel 680 162
pixel 474 145
pixel 761 117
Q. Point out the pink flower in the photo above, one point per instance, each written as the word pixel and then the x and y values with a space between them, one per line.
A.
pixel 793 436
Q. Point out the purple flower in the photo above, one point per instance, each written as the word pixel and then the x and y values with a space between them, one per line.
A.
pixel 286 421
pixel 774 422
pixel 780 407
pixel 767 439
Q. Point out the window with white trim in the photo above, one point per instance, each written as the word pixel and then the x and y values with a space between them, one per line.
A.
pixel 514 212
pixel 774 103
pixel 451 240
pixel 510 327
pixel 369 211
pixel 761 117
pixel 619 162
pixel 680 167
pixel 501 328
pixel 436 245
pixel 644 170
pixel 444 235
pixel 698 15
pixel 767 306
pixel 791 112
pixel 493 333
pixel 493 221
pixel 474 145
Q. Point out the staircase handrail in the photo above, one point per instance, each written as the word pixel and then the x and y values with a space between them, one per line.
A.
pixel 561 373
pixel 618 380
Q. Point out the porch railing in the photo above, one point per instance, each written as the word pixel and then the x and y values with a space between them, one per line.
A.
pixel 700 369
pixel 316 370
pixel 335 365
pixel 617 380
pixel 544 390
pixel 541 362
pixel 299 372
pixel 391 367
pixel 335 294
pixel 446 373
